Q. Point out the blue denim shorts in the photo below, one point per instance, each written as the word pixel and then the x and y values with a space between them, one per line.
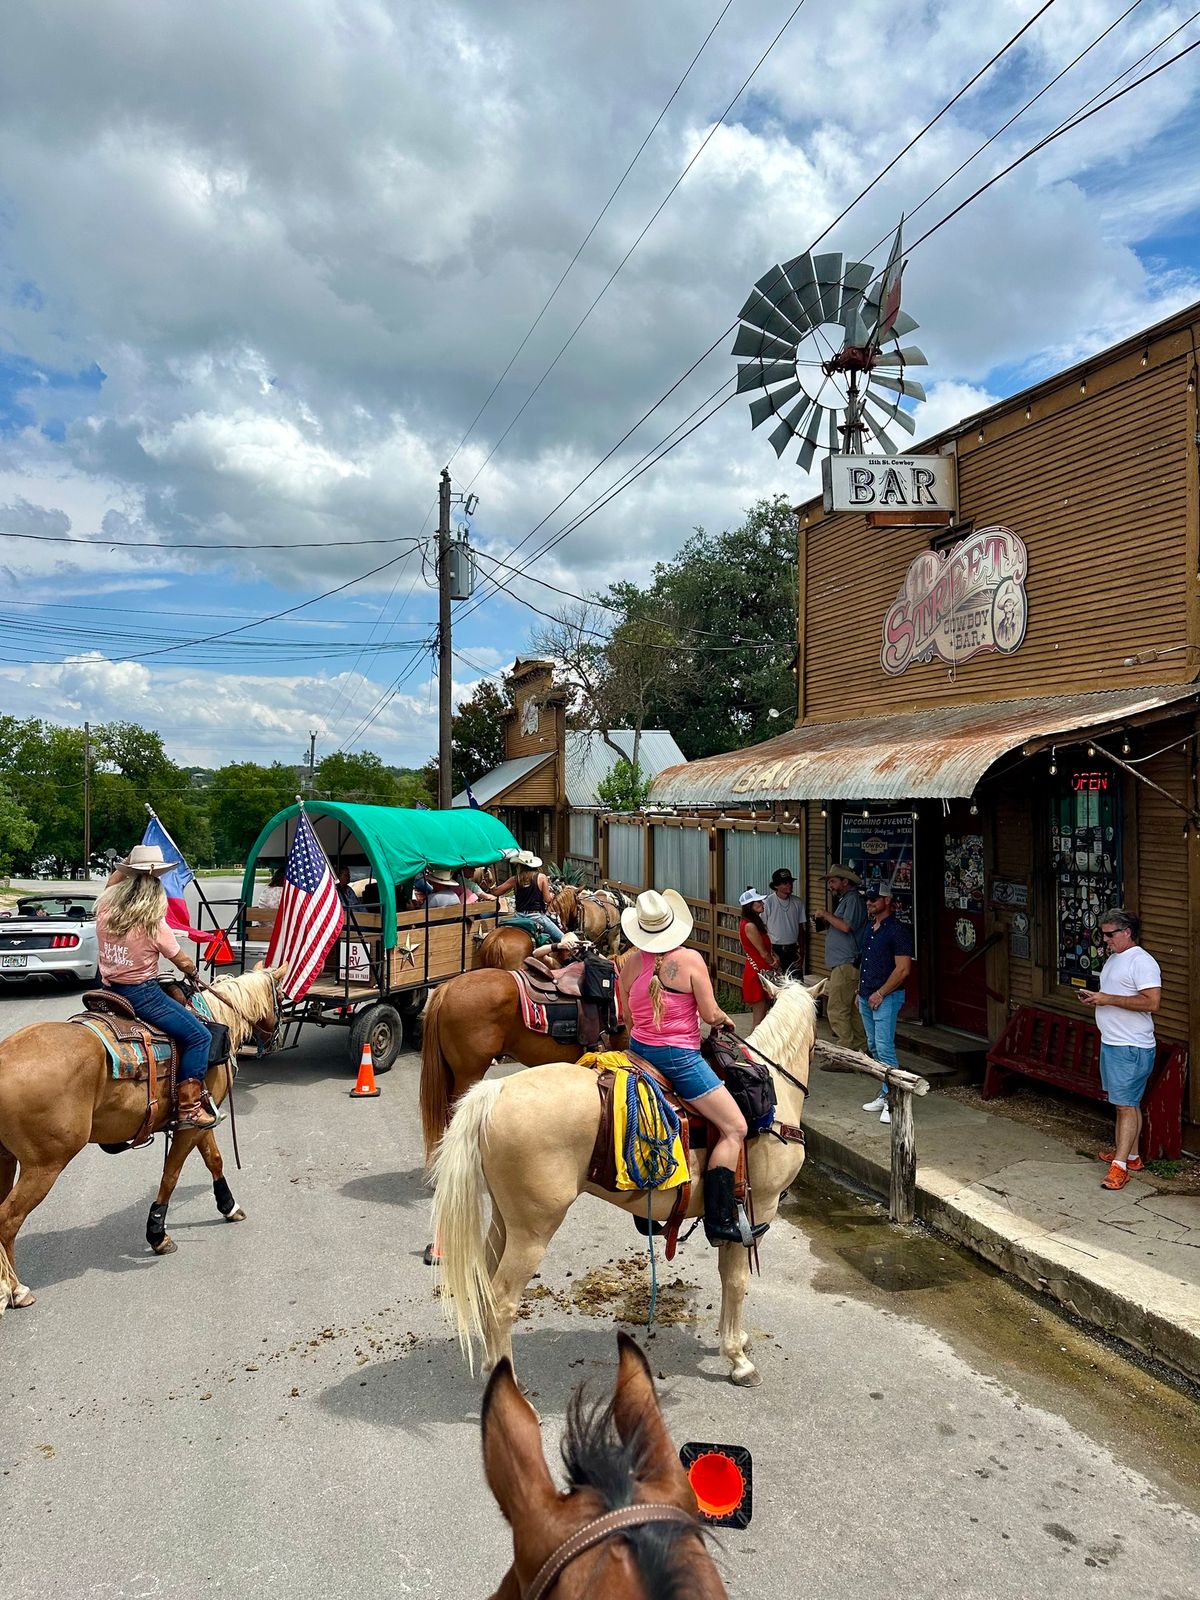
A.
pixel 690 1075
pixel 1125 1071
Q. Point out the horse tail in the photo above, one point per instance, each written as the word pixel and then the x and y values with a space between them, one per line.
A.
pixel 459 1221
pixel 491 950
pixel 437 1079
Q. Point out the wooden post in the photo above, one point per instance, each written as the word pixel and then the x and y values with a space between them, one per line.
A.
pixel 902 1202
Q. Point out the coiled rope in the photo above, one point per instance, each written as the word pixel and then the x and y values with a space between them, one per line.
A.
pixel 652 1126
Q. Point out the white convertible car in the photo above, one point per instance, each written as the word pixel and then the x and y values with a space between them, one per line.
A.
pixel 50 936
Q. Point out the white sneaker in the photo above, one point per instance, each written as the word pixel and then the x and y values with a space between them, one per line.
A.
pixel 878 1104
pixel 885 1115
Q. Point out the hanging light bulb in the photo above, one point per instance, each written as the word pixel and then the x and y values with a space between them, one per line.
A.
pixel 1191 383
pixel 1053 760
pixel 1091 750
pixel 1125 745
pixel 866 813
pixel 824 813
pixel 974 809
pixel 1083 386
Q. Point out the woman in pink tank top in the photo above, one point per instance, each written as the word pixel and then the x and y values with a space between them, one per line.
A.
pixel 667 994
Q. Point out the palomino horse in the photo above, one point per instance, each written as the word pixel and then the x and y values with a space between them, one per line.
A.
pixel 57 1094
pixel 627 1528
pixel 468 1023
pixel 526 1141
pixel 596 917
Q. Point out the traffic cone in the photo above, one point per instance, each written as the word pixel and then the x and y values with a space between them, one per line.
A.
pixel 366 1087
pixel 219 953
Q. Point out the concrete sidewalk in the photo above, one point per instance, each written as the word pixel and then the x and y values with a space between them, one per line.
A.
pixel 1128 1262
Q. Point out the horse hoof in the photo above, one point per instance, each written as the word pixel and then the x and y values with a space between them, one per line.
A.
pixel 750 1379
pixel 236 1215
pixel 429 1258
pixel 22 1297
pixel 166 1246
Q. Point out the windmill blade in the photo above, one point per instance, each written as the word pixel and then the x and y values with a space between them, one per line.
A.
pixel 904 324
pixel 754 342
pixel 892 414
pixel 834 437
pixel 855 279
pixel 889 291
pixel 770 404
pixel 762 374
pixel 828 271
pixel 910 356
pixel 802 275
pixel 857 332
pixel 776 287
pixel 808 445
pixel 760 313
pixel 881 434
pixel 790 426
pixel 905 386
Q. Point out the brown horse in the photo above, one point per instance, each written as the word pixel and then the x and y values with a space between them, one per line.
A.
pixel 505 948
pixel 525 1141
pixel 469 1022
pixel 619 1459
pixel 596 917
pixel 57 1095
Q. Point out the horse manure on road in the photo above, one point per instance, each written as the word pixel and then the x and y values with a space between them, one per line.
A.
pixel 619 1291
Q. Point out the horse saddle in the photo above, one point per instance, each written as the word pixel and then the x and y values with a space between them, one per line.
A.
pixel 575 1003
pixel 136 1050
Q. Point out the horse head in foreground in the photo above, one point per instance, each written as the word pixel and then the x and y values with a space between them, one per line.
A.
pixel 525 1143
pixel 627 1528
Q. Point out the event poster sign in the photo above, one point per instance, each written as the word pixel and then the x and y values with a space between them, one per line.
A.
pixel 883 847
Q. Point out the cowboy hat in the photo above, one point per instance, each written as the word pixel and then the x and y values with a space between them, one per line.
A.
pixel 526 858
pixel 839 869
pixel 657 922
pixel 145 860
pixel 441 875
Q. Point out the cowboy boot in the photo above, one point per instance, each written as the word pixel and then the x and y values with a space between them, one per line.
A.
pixel 190 1109
pixel 725 1221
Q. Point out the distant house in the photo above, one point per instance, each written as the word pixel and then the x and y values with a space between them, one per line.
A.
pixel 545 788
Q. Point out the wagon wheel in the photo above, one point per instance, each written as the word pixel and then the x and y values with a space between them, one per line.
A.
pixel 382 1027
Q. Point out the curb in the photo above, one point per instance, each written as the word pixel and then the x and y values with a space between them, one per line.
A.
pixel 1117 1315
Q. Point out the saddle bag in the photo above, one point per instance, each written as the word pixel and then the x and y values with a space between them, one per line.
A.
pixel 219 1047
pixel 599 980
pixel 747 1080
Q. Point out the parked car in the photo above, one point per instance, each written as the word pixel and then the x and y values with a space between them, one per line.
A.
pixel 50 935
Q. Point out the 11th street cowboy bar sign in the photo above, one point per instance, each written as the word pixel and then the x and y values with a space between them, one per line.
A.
pixel 959 603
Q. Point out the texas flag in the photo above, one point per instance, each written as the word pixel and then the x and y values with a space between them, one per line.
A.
pixel 175 882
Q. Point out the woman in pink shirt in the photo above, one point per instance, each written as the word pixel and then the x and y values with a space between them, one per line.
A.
pixel 132 933
pixel 667 993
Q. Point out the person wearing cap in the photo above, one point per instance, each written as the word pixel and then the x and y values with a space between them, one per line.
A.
pixel 666 993
pixel 843 926
pixel 785 919
pixel 760 957
pixel 443 888
pixel 887 958
pixel 132 933
pixel 532 895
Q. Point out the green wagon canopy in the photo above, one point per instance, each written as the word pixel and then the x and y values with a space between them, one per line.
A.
pixel 397 844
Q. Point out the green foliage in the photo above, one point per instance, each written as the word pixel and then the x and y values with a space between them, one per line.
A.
pixel 1164 1168
pixel 624 787
pixel 566 872
pixel 17 830
pixel 242 798
pixel 360 778
pixel 477 736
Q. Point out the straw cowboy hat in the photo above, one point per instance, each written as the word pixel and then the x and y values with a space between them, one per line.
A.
pixel 657 922
pixel 145 860
pixel 839 869
pixel 441 875
pixel 526 858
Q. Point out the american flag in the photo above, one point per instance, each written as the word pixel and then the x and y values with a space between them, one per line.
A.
pixel 310 915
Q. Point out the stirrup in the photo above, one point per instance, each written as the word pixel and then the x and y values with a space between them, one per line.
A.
pixel 746 1233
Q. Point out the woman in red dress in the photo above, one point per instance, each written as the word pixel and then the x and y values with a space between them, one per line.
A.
pixel 760 958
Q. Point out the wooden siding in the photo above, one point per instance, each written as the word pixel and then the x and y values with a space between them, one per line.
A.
pixel 1161 891
pixel 538 789
pixel 817 863
pixel 1012 859
pixel 1099 488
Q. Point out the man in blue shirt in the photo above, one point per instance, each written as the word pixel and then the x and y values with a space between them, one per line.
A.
pixel 887 958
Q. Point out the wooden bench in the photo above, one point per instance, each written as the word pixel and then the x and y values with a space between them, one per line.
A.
pixel 1065 1051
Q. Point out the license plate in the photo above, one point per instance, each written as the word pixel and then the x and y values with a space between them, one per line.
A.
pixel 13 961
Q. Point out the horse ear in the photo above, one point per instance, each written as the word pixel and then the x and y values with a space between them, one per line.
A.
pixel 280 972
pixel 258 966
pixel 636 1413
pixel 513 1460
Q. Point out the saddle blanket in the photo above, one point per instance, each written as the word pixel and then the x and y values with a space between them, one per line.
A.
pixel 558 1019
pixel 651 1129
pixel 126 1050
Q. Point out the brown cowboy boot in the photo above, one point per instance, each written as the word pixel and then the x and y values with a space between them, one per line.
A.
pixel 191 1111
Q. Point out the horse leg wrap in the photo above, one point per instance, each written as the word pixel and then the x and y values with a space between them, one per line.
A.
pixel 156 1226
pixel 223 1195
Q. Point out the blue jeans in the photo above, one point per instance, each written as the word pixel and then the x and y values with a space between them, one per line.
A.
pixel 155 1007
pixel 881 1029
pixel 550 930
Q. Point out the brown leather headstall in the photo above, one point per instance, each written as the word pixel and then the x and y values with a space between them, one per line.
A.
pixel 595 1532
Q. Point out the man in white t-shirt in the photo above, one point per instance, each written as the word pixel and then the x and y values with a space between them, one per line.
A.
pixel 1130 992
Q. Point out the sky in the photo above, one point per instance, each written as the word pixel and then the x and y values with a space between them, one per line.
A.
pixel 261 267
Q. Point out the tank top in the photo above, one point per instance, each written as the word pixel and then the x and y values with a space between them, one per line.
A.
pixel 528 898
pixel 681 1015
pixel 758 961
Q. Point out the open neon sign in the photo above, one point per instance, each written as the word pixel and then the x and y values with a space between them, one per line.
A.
pixel 1089 782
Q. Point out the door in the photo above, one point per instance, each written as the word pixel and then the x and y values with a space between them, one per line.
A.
pixel 960 991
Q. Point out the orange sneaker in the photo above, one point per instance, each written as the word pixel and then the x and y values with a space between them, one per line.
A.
pixel 1109 1156
pixel 1117 1178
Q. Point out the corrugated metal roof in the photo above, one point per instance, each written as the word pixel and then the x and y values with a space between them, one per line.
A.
pixel 589 759
pixel 940 753
pixel 493 784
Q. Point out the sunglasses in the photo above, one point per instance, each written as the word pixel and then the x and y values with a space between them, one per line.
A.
pixel 1110 933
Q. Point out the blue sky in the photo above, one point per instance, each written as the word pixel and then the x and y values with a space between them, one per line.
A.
pixel 259 271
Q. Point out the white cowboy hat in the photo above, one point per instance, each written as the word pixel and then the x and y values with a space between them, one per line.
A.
pixel 657 922
pixel 750 896
pixel 441 875
pixel 146 860
pixel 510 854
pixel 526 858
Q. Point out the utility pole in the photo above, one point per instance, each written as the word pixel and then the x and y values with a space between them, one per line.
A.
pixel 445 655
pixel 87 799
pixel 312 760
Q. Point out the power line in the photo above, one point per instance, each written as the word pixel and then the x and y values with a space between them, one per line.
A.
pixel 155 544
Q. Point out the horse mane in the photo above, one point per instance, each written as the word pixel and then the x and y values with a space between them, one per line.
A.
pixel 241 1001
pixel 595 1457
pixel 566 902
pixel 790 1027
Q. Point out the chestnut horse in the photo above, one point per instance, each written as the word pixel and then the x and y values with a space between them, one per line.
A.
pixel 595 917
pixel 505 948
pixel 618 1459
pixel 525 1141
pixel 57 1094
pixel 469 1022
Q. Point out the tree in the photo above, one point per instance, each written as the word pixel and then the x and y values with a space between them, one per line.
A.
pixel 624 788
pixel 41 765
pixel 477 735
pixel 242 798
pixel 17 830
pixel 360 778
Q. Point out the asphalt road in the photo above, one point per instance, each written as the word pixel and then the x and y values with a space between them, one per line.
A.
pixel 278 1409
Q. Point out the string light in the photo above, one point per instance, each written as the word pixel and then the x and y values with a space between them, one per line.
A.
pixel 1191 383
pixel 1145 355
pixel 1125 745
pixel 1091 750
pixel 1053 760
pixel 1083 386
pixel 866 813
pixel 974 809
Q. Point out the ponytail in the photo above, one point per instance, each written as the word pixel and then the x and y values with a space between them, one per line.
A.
pixel 656 995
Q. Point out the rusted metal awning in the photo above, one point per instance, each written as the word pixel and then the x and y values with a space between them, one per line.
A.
pixel 939 754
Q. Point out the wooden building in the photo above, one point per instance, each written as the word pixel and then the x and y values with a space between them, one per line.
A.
pixel 1003 714
pixel 544 790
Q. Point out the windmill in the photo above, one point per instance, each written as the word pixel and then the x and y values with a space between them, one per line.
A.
pixel 822 337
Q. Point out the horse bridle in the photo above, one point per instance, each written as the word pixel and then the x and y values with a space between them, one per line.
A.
pixel 594 1533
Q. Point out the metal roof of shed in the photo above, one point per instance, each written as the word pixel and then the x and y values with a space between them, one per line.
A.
pixel 494 783
pixel 589 759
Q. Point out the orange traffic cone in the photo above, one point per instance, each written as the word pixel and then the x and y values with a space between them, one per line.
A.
pixel 219 953
pixel 366 1087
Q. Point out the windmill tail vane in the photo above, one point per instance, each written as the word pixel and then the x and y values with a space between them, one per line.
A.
pixel 815 334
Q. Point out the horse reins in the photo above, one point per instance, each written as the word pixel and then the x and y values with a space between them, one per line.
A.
pixel 595 1532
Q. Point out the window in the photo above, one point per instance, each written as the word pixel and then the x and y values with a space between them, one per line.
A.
pixel 681 860
pixel 751 858
pixel 1085 846
pixel 625 853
